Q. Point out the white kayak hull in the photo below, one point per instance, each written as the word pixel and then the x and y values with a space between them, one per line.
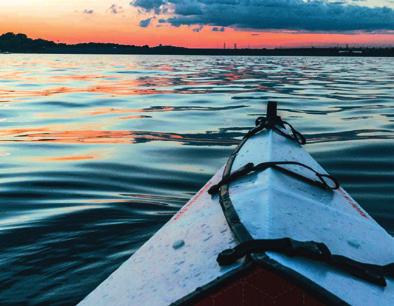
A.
pixel 180 260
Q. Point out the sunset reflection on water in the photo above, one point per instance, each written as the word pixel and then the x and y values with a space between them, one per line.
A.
pixel 97 152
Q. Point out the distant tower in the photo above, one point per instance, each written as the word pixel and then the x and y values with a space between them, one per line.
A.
pixel 235 46
pixel 224 46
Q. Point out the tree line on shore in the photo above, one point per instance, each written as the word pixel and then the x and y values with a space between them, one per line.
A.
pixel 20 43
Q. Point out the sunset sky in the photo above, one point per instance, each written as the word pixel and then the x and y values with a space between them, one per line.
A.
pixel 204 23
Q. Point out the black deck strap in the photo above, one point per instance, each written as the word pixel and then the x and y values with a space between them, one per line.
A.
pixel 245 170
pixel 323 179
pixel 295 135
pixel 311 250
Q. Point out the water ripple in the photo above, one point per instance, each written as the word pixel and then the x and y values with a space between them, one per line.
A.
pixel 99 151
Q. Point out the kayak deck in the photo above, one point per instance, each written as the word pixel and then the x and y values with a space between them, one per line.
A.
pixel 178 264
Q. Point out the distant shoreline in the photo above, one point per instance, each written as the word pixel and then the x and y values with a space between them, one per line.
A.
pixel 175 54
pixel 20 43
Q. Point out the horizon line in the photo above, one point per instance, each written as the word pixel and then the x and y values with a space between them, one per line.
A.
pixel 311 46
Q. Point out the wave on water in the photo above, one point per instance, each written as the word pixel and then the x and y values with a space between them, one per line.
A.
pixel 98 152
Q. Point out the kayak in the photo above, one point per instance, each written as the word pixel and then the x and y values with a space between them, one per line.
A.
pixel 271 227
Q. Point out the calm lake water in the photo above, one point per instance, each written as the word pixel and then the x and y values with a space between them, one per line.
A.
pixel 98 152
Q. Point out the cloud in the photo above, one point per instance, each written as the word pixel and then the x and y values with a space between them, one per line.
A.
pixel 198 29
pixel 149 5
pixel 115 9
pixel 218 29
pixel 88 11
pixel 145 23
pixel 300 15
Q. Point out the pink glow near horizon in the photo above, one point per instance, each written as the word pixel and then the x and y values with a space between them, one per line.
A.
pixel 71 23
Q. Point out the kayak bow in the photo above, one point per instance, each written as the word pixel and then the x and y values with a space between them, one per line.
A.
pixel 272 227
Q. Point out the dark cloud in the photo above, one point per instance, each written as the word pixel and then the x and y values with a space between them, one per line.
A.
pixel 88 11
pixel 218 29
pixel 311 15
pixel 188 8
pixel 145 23
pixel 198 29
pixel 149 5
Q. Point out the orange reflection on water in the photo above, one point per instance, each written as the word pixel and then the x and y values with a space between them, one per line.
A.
pixel 86 77
pixel 83 136
pixel 114 88
pixel 13 75
pixel 70 158
pixel 113 84
pixel 22 132
pixel 18 94
pixel 111 110
pixel 234 76
pixel 132 117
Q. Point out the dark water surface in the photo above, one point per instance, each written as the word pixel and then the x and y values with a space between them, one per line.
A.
pixel 97 152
